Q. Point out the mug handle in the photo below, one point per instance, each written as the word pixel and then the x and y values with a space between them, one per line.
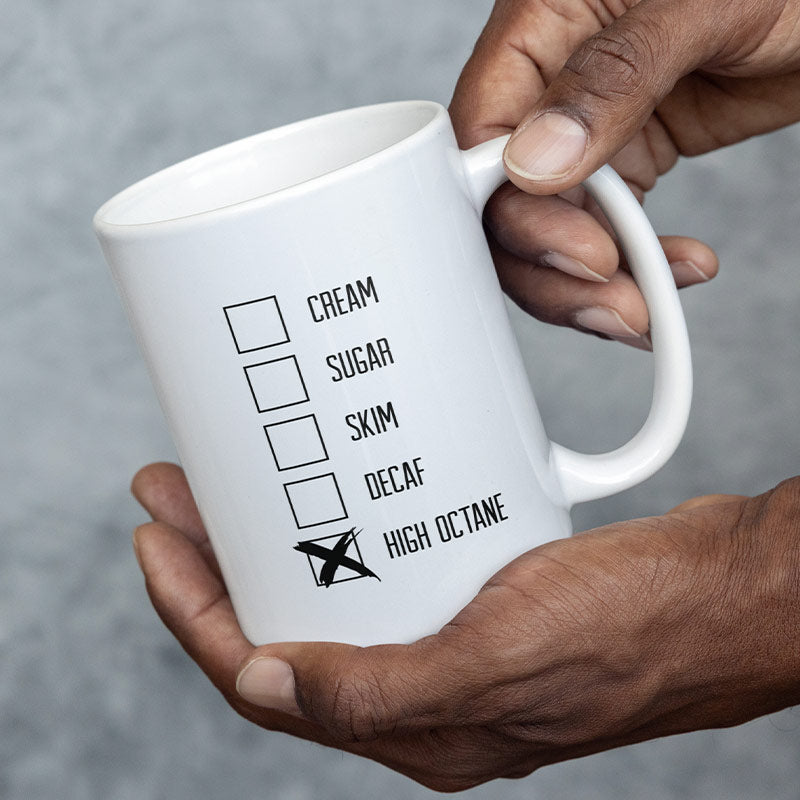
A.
pixel 584 476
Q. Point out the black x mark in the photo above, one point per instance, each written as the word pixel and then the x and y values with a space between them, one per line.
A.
pixel 334 557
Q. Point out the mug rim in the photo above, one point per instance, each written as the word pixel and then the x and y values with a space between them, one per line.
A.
pixel 181 170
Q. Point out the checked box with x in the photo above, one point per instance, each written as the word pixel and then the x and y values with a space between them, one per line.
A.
pixel 329 560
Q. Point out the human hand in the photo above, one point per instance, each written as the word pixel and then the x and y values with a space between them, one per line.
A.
pixel 584 82
pixel 628 632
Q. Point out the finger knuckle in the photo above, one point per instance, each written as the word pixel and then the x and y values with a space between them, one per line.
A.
pixel 780 509
pixel 788 492
pixel 617 62
pixel 358 709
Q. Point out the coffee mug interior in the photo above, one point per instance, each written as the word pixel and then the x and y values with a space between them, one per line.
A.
pixel 267 163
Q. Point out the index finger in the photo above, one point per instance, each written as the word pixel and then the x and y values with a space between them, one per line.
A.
pixel 194 605
pixel 162 489
pixel 521 49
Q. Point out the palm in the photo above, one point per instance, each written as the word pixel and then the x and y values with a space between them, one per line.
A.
pixel 543 665
pixel 515 615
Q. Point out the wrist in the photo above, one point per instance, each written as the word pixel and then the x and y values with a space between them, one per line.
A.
pixel 769 534
pixel 723 613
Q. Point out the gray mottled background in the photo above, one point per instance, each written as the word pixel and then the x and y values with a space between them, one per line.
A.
pixel 97 700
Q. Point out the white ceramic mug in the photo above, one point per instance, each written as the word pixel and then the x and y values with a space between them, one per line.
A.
pixel 326 333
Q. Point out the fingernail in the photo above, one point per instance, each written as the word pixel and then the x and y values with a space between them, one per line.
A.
pixel 136 548
pixel 549 147
pixel 687 273
pixel 269 683
pixel 604 320
pixel 639 342
pixel 572 267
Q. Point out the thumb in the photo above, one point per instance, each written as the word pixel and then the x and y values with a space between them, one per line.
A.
pixel 357 693
pixel 606 92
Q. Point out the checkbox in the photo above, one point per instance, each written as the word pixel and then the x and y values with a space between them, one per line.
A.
pixel 256 324
pixel 296 442
pixel 336 558
pixel 315 501
pixel 276 384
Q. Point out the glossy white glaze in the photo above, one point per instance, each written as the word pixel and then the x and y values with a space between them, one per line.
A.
pixel 260 275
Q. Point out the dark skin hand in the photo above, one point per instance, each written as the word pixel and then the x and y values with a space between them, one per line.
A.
pixel 643 84
pixel 632 631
